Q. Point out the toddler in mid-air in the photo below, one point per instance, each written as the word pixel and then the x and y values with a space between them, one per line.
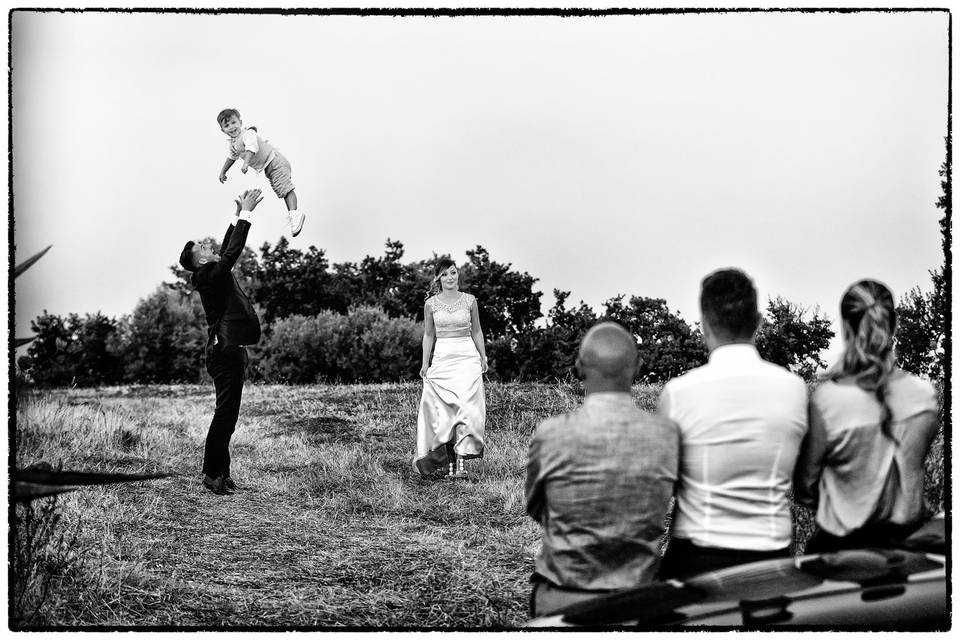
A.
pixel 246 144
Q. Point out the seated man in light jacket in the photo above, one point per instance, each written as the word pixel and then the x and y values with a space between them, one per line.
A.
pixel 600 481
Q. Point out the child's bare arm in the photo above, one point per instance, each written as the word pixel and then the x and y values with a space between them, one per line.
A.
pixel 246 155
pixel 226 165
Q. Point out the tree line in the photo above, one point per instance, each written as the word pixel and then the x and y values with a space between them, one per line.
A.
pixel 362 322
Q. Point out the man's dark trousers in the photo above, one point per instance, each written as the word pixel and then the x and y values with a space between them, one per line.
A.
pixel 226 365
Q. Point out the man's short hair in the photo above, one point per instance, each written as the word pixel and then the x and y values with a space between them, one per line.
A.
pixel 186 256
pixel 728 302
pixel 225 114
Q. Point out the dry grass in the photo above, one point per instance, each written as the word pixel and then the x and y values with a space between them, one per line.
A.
pixel 331 527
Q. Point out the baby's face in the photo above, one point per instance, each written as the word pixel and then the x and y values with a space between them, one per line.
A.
pixel 232 126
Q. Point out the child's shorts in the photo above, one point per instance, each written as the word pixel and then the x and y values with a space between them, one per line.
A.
pixel 278 173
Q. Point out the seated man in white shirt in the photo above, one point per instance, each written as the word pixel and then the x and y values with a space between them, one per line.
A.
pixel 741 422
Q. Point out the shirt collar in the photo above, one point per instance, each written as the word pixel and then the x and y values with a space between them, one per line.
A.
pixel 734 353
pixel 608 397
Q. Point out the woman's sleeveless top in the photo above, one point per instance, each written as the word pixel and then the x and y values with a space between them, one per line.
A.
pixel 452 320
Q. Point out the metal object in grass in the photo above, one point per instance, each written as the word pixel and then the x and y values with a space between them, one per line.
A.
pixel 42 480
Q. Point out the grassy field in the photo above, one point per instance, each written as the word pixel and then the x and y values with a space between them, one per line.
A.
pixel 330 527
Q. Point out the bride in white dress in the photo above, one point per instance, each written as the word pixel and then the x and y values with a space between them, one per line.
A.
pixel 452 408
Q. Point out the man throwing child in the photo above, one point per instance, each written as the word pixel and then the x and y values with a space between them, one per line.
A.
pixel 231 324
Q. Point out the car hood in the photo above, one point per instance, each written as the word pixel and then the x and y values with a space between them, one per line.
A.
pixel 862 588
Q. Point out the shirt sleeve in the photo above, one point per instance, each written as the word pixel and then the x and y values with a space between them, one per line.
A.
pixel 534 485
pixel 243 215
pixel 663 404
pixel 926 397
pixel 249 137
pixel 812 458
pixel 911 396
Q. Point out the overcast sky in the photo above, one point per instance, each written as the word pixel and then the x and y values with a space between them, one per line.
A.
pixel 603 155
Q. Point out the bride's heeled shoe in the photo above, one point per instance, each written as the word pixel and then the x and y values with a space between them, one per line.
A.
pixel 461 473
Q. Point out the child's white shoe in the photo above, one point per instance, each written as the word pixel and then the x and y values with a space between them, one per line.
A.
pixel 296 219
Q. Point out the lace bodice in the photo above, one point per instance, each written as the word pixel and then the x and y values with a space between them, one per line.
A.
pixel 453 317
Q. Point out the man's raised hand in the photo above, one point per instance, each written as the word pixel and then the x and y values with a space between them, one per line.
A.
pixel 249 199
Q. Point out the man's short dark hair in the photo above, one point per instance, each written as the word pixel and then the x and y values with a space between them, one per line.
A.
pixel 186 256
pixel 728 302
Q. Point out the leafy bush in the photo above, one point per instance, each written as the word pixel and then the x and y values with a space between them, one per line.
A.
pixel 50 361
pixel 74 350
pixel 507 302
pixel 789 338
pixel 543 354
pixel 163 339
pixel 364 345
pixel 667 345
pixel 375 347
pixel 297 348
pixel 385 282
pixel 923 338
pixel 290 281
pixel 922 332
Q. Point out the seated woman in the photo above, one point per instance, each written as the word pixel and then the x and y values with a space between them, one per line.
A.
pixel 871 424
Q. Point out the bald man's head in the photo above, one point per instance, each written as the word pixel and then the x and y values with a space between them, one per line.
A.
pixel 608 356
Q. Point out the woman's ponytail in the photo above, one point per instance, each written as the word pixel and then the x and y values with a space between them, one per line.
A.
pixel 870 321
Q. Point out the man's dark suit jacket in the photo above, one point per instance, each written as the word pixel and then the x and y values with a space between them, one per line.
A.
pixel 230 316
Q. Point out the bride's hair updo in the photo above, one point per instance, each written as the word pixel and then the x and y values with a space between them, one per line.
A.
pixel 442 265
pixel 870 319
